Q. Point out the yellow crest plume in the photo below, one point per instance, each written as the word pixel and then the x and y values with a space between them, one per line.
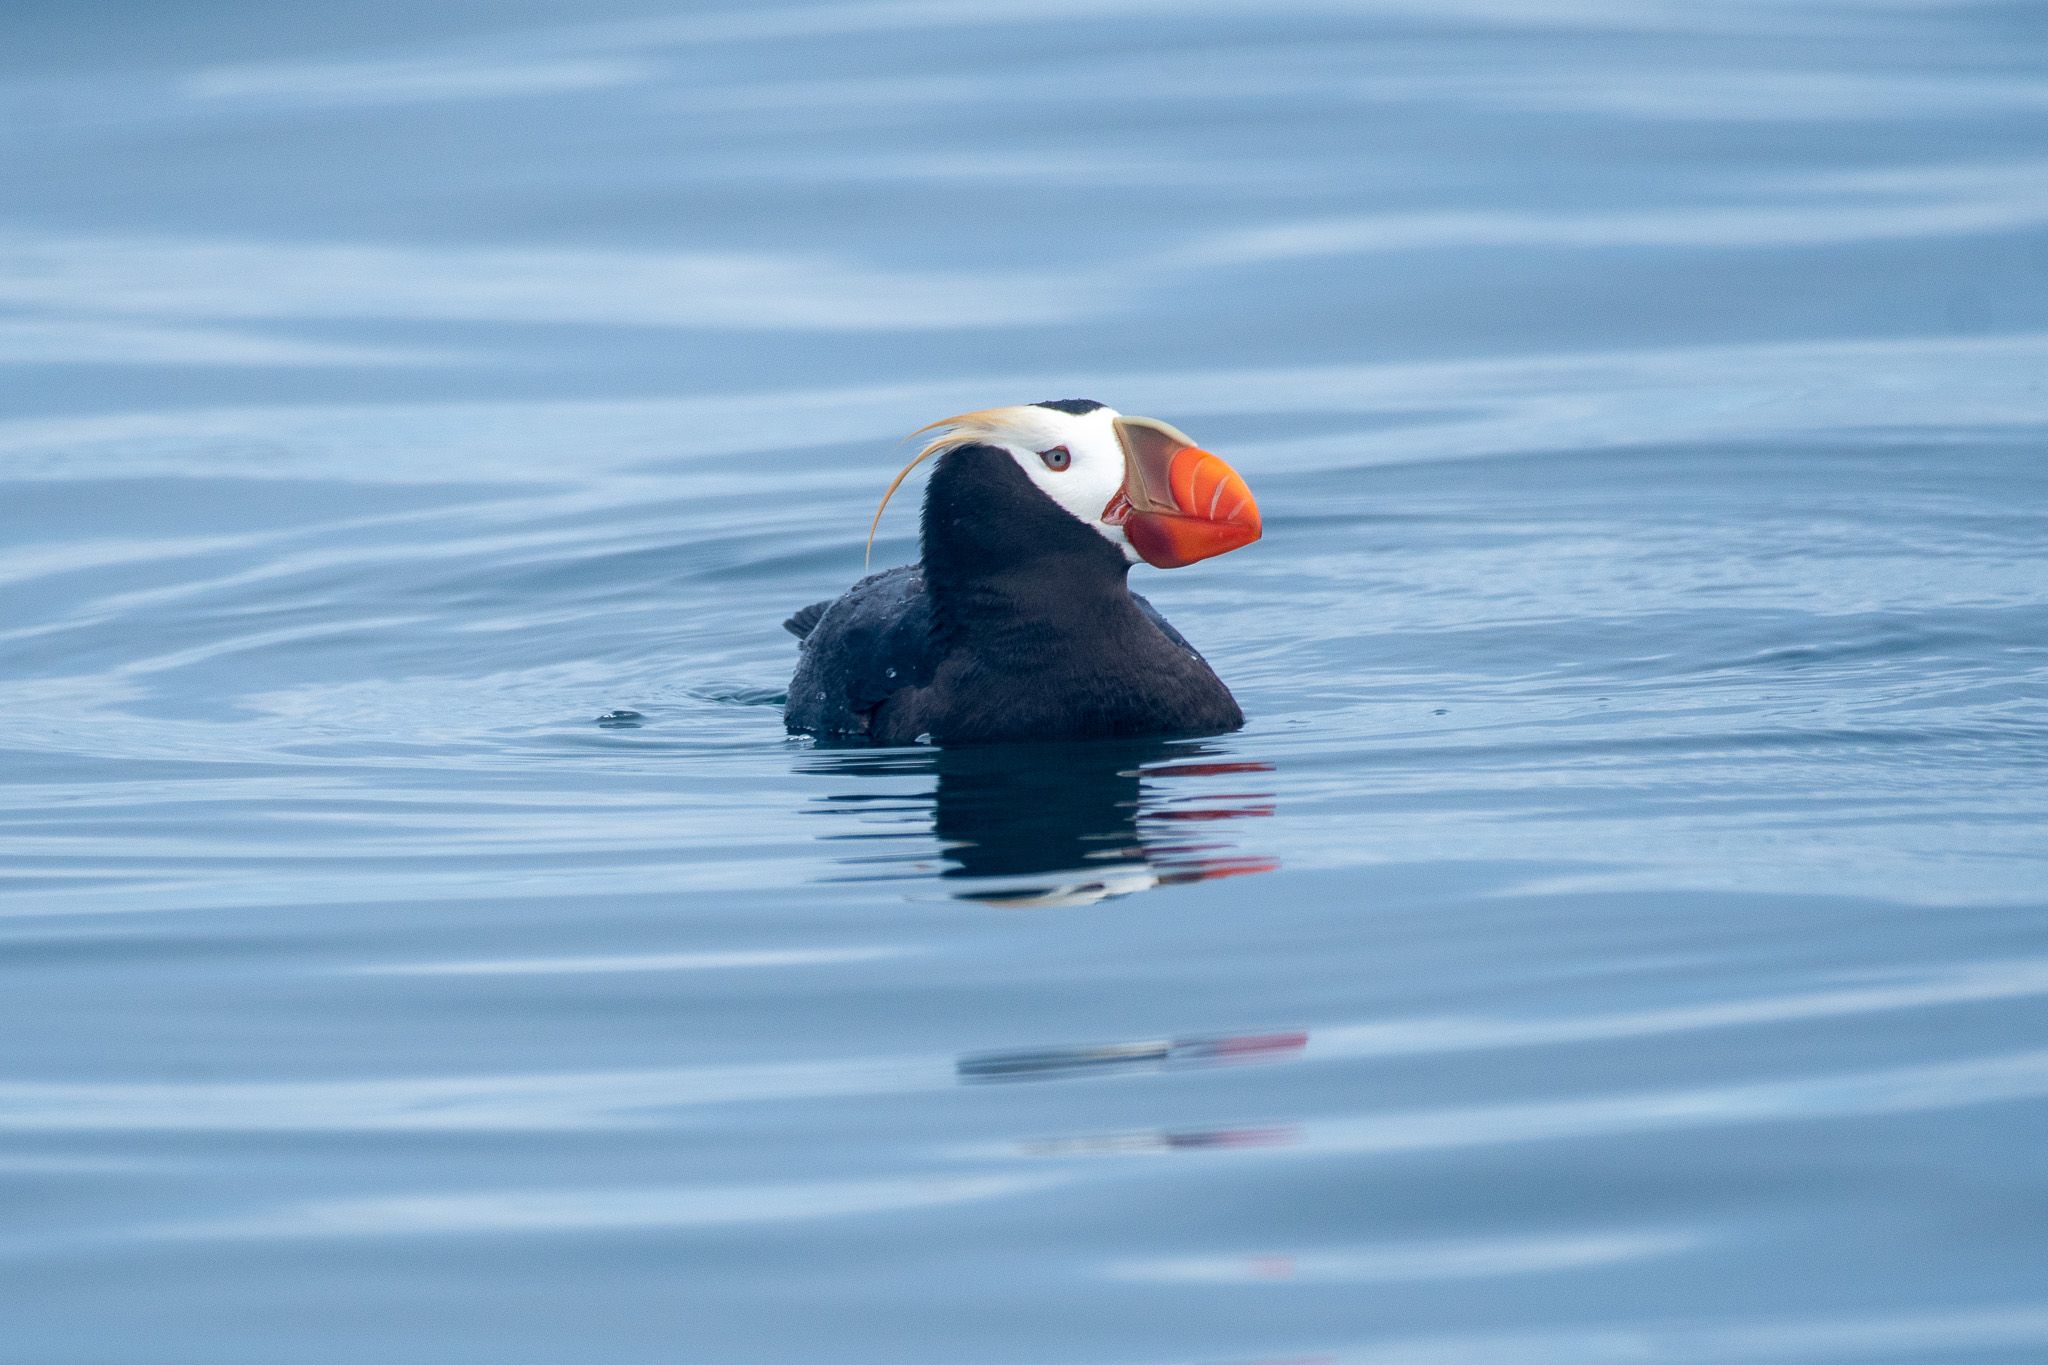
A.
pixel 965 429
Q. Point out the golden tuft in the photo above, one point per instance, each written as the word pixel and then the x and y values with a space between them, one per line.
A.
pixel 965 429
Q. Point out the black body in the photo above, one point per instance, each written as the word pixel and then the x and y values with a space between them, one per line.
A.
pixel 1019 624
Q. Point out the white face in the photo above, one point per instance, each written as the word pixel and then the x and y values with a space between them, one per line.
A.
pixel 1085 478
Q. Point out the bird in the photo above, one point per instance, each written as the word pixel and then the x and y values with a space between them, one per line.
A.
pixel 1017 623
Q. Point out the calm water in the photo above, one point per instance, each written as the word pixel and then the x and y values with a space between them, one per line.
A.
pixel 1617 937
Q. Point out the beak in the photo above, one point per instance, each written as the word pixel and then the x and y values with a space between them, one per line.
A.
pixel 1179 503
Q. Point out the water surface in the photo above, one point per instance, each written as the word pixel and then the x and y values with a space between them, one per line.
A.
pixel 1615 938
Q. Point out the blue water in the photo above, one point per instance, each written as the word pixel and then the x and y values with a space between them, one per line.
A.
pixel 1618 935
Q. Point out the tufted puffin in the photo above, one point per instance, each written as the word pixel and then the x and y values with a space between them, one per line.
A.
pixel 1018 623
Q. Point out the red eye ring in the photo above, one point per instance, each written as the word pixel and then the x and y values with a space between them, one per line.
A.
pixel 1056 459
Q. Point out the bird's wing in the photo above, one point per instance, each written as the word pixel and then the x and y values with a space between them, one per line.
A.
pixel 1165 626
pixel 859 651
pixel 804 620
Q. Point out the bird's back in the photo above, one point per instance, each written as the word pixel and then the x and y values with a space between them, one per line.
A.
pixel 873 641
pixel 873 666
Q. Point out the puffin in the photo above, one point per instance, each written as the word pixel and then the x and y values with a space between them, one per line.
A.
pixel 1018 624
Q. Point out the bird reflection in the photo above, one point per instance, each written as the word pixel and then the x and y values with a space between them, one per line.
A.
pixel 1045 825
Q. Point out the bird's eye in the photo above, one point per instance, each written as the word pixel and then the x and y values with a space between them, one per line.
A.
pixel 1056 459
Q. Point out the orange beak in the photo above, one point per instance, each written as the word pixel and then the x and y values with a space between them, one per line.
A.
pixel 1179 503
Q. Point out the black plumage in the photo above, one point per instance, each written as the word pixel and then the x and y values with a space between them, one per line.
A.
pixel 1018 624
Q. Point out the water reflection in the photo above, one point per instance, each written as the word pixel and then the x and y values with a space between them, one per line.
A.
pixel 1046 825
pixel 1152 1140
pixel 1149 1054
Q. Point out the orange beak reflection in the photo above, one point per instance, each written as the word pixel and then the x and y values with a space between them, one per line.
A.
pixel 1179 503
